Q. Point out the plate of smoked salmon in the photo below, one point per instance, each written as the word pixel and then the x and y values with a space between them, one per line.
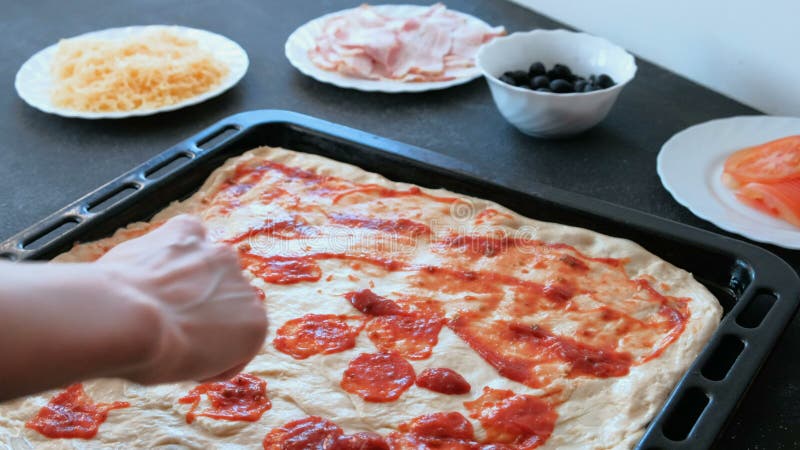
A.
pixel 740 173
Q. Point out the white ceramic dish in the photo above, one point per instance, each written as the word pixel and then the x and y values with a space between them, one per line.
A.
pixel 303 39
pixel 690 166
pixel 34 82
pixel 544 114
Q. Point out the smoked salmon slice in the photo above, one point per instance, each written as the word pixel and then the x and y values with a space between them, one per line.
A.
pixel 772 162
pixel 776 199
pixel 767 177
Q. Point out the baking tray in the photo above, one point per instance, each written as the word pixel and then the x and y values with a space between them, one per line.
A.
pixel 758 291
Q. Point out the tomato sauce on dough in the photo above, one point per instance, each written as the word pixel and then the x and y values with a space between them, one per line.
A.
pixel 378 377
pixel 72 414
pixel 244 397
pixel 509 298
pixel 315 334
pixel 444 381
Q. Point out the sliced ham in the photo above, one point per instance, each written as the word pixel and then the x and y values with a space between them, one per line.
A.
pixel 469 37
pixel 434 45
pixel 422 49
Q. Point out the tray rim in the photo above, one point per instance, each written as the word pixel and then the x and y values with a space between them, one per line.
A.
pixel 781 279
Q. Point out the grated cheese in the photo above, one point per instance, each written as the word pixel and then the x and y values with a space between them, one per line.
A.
pixel 150 70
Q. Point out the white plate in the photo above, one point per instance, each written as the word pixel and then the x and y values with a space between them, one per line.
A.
pixel 690 166
pixel 303 39
pixel 34 82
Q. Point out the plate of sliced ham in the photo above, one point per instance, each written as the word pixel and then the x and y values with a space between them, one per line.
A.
pixel 391 48
pixel 740 173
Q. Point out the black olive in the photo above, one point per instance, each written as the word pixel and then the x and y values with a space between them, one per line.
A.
pixel 520 76
pixel 536 69
pixel 544 90
pixel 591 87
pixel 540 81
pixel 561 86
pixel 508 79
pixel 560 71
pixel 605 81
pixel 580 85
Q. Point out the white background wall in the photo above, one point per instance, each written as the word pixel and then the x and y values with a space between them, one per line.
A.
pixel 745 49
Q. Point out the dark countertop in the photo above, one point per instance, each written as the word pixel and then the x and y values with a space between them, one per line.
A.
pixel 47 161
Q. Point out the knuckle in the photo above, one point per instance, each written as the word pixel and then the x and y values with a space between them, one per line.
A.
pixel 224 253
pixel 188 224
pixel 256 330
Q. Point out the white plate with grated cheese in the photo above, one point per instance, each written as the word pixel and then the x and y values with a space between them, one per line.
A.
pixel 35 81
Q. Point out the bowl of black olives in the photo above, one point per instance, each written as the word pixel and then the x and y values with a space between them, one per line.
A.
pixel 552 83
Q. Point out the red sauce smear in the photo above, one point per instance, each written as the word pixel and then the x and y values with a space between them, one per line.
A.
pixel 409 333
pixel 315 334
pixel 445 430
pixel 421 333
pixel 361 441
pixel 578 265
pixel 475 281
pixel 294 228
pixel 246 176
pixel 480 245
pixel 675 310
pixel 398 226
pixel 261 295
pixel 388 193
pixel 489 214
pixel 373 304
pixel 516 351
pixel 320 434
pixel 244 397
pixel 559 290
pixel 529 354
pixel 309 433
pixel 521 420
pixel 378 377
pixel 444 381
pixel 516 365
pixel 296 269
pixel 72 414
pixel 583 359
pixel 228 195
pixel 385 263
pixel 282 269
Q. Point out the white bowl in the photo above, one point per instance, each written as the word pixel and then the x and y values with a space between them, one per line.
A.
pixel 545 114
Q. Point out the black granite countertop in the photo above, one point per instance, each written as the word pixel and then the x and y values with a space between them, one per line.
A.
pixel 47 161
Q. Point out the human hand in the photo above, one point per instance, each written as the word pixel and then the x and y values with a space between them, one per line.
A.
pixel 208 321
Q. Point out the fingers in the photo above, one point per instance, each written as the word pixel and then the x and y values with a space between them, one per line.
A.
pixel 183 227
pixel 227 375
pixel 187 224
pixel 225 254
pixel 214 321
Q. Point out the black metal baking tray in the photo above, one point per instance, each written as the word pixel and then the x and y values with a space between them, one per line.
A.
pixel 758 291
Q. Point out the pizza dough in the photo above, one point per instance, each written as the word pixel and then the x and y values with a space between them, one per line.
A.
pixel 597 412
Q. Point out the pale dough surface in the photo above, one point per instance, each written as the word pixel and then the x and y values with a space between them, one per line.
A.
pixel 600 413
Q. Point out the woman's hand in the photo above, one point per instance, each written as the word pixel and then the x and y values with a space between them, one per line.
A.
pixel 207 322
